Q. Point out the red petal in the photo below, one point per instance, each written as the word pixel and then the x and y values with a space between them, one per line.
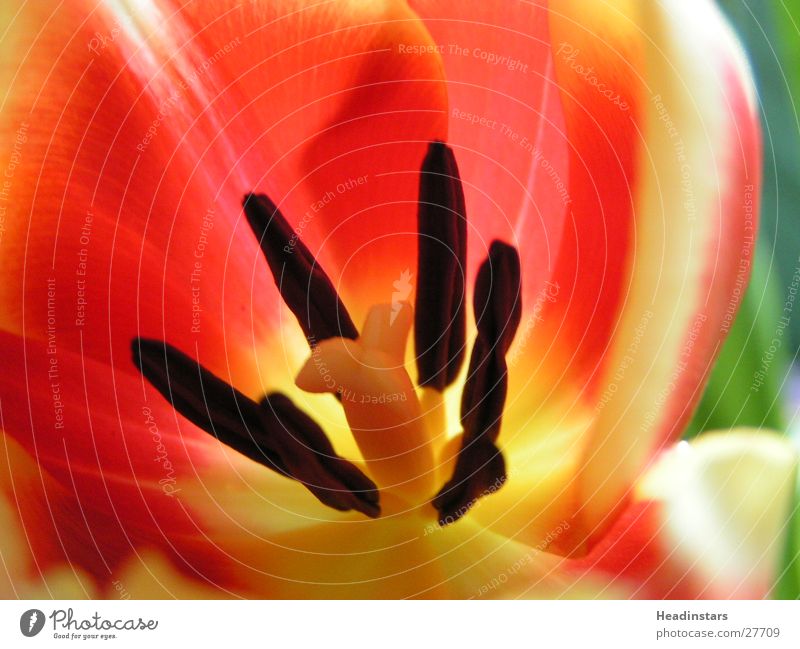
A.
pixel 119 462
pixel 696 217
pixel 635 323
pixel 148 123
pixel 506 125
pixel 634 554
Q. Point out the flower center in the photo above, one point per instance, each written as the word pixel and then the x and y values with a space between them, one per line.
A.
pixel 379 400
pixel 366 370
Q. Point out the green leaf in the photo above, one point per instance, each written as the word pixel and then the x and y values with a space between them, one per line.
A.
pixel 770 33
pixel 788 584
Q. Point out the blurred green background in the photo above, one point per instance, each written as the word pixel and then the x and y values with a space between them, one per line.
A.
pixel 770 32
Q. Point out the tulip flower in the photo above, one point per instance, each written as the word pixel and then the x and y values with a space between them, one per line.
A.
pixel 377 299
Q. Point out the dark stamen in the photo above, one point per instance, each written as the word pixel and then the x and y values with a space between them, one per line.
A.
pixel 440 316
pixel 274 433
pixel 304 286
pixel 337 473
pixel 480 468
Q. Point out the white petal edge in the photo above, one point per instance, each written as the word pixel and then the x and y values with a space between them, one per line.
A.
pixel 690 241
pixel 726 499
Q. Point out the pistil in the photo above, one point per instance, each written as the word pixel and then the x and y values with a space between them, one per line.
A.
pixel 379 400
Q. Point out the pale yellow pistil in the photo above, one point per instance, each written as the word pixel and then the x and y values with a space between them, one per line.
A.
pixel 379 401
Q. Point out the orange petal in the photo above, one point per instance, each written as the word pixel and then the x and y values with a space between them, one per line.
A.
pixel 599 67
pixel 133 131
pixel 695 219
pixel 506 125
pixel 629 340
pixel 103 465
pixel 45 551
